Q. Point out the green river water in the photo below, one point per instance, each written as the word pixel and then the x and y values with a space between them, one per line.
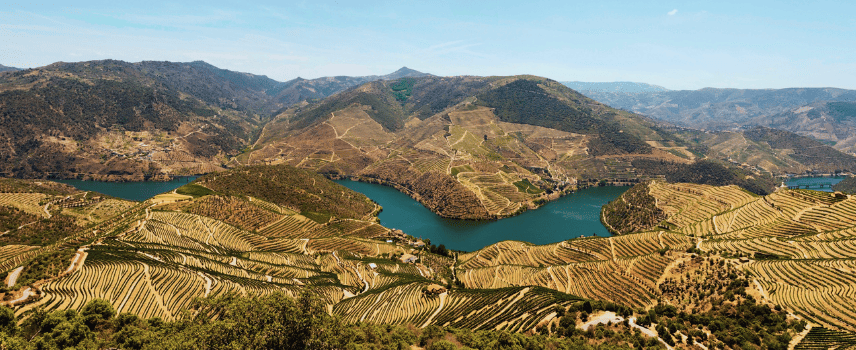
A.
pixel 568 217
pixel 135 191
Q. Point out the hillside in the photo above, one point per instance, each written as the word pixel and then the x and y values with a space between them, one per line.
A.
pixel 153 258
pixel 635 210
pixel 8 69
pixel 120 121
pixel 796 244
pixel 310 194
pixel 847 185
pixel 114 120
pixel 833 123
pixel 821 113
pixel 777 152
pixel 249 257
pixel 44 222
pixel 466 147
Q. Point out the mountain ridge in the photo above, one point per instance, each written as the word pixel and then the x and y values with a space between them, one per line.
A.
pixel 466 147
pixel 617 86
pixel 116 120
pixel 718 109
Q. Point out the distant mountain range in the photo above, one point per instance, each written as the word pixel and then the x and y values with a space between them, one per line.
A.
pixel 299 89
pixel 7 69
pixel 127 121
pixel 823 113
pixel 115 120
pixel 617 86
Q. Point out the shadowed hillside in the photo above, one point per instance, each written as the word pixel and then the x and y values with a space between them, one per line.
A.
pixel 465 146
pixel 114 120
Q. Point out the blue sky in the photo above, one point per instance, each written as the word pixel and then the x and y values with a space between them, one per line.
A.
pixel 676 44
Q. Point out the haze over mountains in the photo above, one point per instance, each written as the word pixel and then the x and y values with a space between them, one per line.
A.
pixel 826 114
pixel 617 87
pixel 6 69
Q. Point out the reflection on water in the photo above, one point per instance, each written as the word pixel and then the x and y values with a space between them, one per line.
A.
pixel 819 183
pixel 568 217
pixel 135 191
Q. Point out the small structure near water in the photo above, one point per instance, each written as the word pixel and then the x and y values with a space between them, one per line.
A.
pixel 408 258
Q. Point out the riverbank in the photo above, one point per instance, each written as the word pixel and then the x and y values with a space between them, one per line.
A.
pixel 571 216
pixel 130 190
pixel 535 203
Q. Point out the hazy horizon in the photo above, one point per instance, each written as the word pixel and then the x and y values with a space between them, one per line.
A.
pixel 762 45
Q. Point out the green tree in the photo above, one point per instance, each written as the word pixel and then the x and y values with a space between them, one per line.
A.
pixel 96 312
pixel 8 322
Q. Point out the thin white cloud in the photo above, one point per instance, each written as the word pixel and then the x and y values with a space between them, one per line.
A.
pixel 673 12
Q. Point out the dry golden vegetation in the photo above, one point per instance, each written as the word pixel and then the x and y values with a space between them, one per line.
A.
pixel 464 152
pixel 797 245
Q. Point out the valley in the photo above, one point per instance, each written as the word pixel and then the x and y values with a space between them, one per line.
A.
pixel 519 227
pixel 460 148
pixel 560 176
pixel 226 234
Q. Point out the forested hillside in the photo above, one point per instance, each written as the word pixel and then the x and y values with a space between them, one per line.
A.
pixel 525 102
pixel 807 151
pixel 635 210
pixel 119 121
pixel 706 172
pixel 309 193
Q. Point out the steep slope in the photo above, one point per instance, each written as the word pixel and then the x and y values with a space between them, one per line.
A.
pixel 847 185
pixel 8 69
pixel 243 236
pixel 772 151
pixel 248 256
pixel 466 147
pixel 308 193
pixel 116 120
pixel 832 122
pixel 797 245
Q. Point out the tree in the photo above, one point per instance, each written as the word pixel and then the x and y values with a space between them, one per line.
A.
pixel 8 322
pixel 442 250
pixel 97 311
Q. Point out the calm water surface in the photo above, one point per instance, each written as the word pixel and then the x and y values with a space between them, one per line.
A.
pixel 568 217
pixel 814 183
pixel 135 191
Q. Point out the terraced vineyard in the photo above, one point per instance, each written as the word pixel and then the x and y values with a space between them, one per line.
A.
pixel 155 258
pixel 800 243
pixel 623 269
